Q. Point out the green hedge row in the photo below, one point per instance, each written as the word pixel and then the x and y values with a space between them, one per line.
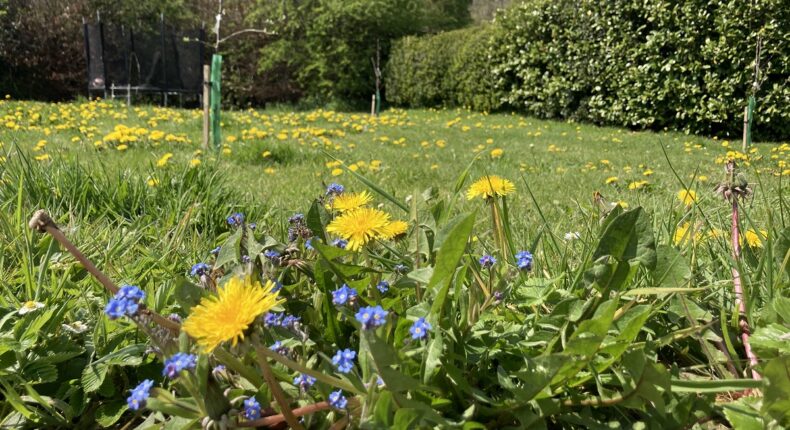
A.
pixel 678 64
pixel 450 68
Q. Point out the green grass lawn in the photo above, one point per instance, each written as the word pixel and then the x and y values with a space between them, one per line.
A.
pixel 563 164
pixel 137 194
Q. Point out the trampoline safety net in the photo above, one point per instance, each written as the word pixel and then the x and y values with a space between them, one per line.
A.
pixel 165 60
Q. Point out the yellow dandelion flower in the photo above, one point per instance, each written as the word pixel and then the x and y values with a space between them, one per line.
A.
pixel 490 186
pixel 647 172
pixel 227 315
pixel 394 229
pixel 611 180
pixel 687 197
pixel 162 162
pixel 337 172
pixel 267 153
pixel 194 162
pixel 269 171
pixel 122 147
pixel 42 157
pixel 497 153
pixel 636 185
pixel 684 233
pixel 350 201
pixel 359 226
pixel 754 239
pixel 152 182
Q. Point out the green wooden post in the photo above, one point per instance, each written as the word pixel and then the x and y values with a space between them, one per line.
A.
pixel 216 98
pixel 749 117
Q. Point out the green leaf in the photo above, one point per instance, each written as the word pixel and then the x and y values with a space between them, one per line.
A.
pixel 628 237
pixel 316 221
pixel 434 357
pixel 230 251
pixel 743 415
pixel 405 418
pixel 671 271
pixel 109 413
pixel 776 391
pixel 713 385
pixel 187 294
pixel 447 261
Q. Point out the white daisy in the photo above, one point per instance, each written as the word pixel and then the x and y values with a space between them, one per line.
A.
pixel 29 306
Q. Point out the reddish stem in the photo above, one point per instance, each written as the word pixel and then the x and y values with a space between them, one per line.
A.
pixel 740 304
pixel 277 419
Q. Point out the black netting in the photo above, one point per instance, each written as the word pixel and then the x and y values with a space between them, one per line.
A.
pixel 95 60
pixel 189 51
pixel 162 59
pixel 117 42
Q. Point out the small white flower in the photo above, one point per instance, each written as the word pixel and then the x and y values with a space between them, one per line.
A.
pixel 76 327
pixel 29 306
pixel 573 235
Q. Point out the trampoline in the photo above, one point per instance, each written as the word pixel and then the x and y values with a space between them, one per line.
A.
pixel 122 62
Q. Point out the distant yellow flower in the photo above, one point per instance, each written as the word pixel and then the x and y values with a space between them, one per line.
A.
pixel 267 154
pixel 497 153
pixel 269 170
pixel 42 157
pixel 337 172
pixel 122 147
pixel 195 162
pixel 647 172
pixel 622 204
pixel 611 180
pixel 684 233
pixel 360 226
pixel 490 186
pixel 227 315
pixel 162 162
pixel 636 185
pixel 687 197
pixel 754 239
pixel 349 201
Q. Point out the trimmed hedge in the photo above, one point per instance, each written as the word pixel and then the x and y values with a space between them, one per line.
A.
pixel 450 68
pixel 679 64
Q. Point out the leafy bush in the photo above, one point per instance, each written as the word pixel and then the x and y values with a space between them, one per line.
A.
pixel 683 64
pixel 450 68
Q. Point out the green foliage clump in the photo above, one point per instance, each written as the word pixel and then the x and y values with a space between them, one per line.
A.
pixel 684 64
pixel 450 68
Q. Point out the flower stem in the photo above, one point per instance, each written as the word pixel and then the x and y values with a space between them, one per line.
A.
pixel 277 391
pixel 740 305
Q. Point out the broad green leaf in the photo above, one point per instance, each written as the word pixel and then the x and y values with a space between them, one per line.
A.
pixel 447 261
pixel 743 415
pixel 230 252
pixel 671 271
pixel 109 413
pixel 187 294
pixel 776 391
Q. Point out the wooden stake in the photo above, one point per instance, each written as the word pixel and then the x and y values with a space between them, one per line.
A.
pixel 373 105
pixel 745 127
pixel 206 95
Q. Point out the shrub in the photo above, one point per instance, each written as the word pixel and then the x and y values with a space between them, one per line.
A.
pixel 681 64
pixel 450 68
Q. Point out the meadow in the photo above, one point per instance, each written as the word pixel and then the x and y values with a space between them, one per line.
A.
pixel 625 312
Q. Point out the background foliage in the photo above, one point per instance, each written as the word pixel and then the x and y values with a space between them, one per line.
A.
pixel 682 64
pixel 319 50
